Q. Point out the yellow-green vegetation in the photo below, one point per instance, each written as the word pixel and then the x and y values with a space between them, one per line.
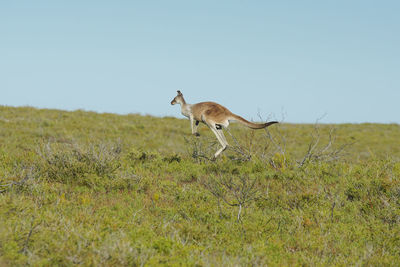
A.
pixel 104 189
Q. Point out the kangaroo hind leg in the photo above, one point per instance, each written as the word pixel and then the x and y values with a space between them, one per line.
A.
pixel 221 138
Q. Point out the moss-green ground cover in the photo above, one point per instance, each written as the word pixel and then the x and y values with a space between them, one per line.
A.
pixel 103 189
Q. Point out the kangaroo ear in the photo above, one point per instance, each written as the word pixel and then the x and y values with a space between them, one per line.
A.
pixel 179 92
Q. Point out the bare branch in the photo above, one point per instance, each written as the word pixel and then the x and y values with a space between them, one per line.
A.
pixel 327 152
pixel 9 186
pixel 32 228
pixel 237 192
pixel 239 149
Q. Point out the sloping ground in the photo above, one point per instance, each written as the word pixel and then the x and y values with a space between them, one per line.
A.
pixel 104 189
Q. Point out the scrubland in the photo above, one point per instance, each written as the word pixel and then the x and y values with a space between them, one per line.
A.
pixel 83 188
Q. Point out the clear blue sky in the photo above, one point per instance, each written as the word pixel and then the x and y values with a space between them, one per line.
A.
pixel 302 58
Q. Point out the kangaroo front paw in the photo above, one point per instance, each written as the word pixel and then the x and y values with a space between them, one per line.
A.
pixel 196 134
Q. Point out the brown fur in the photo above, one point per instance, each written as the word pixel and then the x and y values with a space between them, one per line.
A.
pixel 204 110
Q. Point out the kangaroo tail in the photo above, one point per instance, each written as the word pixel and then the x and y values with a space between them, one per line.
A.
pixel 251 125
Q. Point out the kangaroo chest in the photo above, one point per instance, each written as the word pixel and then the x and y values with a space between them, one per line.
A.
pixel 186 110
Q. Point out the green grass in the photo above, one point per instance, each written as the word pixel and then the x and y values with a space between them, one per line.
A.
pixel 103 189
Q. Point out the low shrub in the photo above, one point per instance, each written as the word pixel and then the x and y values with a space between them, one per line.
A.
pixel 73 163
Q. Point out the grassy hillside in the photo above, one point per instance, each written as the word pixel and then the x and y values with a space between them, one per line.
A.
pixel 104 189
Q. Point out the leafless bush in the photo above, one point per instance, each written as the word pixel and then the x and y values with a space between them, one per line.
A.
pixel 242 153
pixel 235 191
pixel 326 152
pixel 275 144
pixel 200 148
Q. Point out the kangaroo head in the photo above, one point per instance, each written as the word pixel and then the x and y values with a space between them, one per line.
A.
pixel 178 99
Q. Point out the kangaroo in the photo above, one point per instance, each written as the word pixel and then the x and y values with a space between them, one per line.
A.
pixel 215 116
